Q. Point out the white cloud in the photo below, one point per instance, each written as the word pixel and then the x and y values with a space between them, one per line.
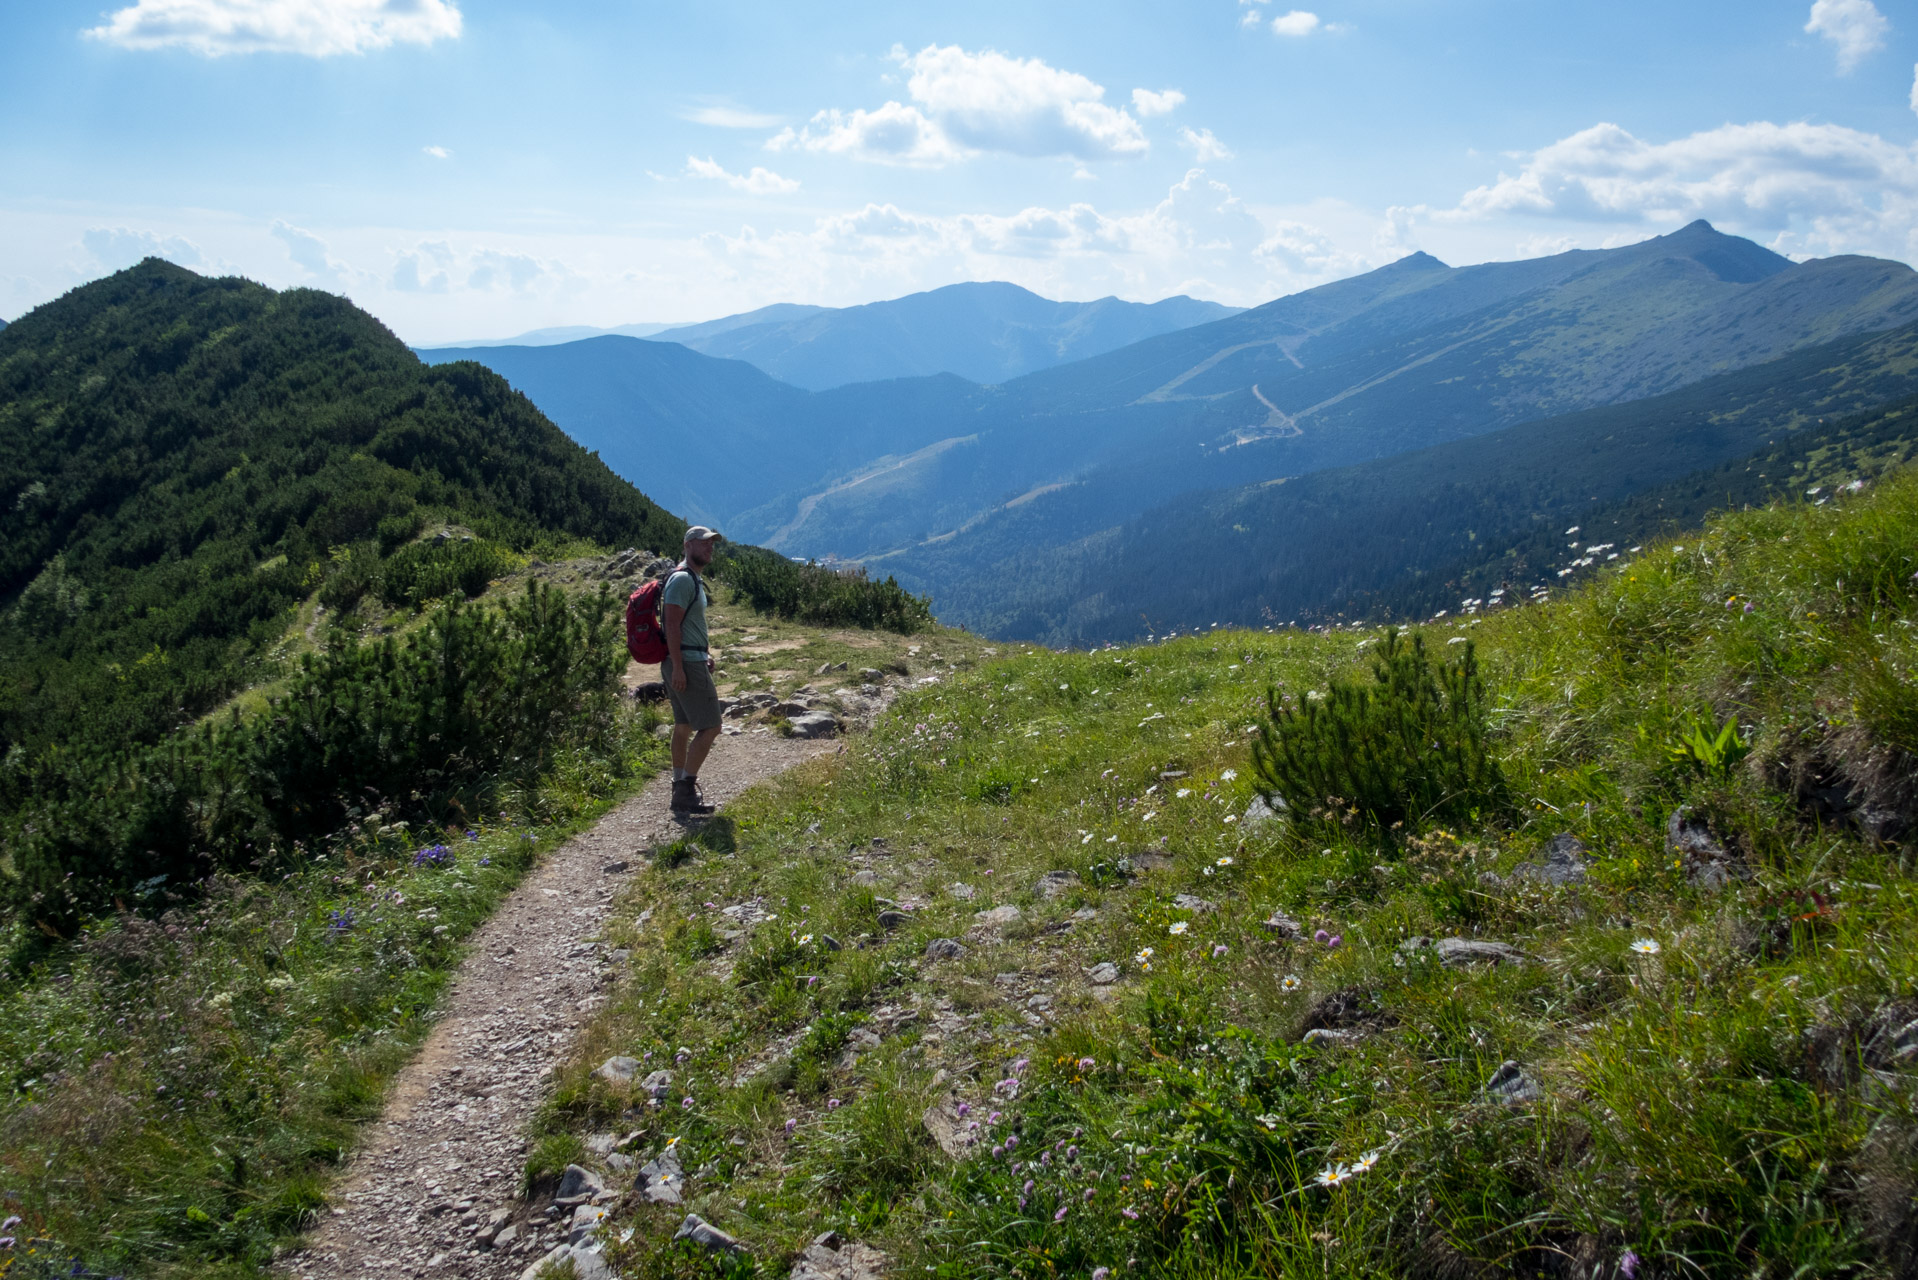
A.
pixel 314 28
pixel 117 247
pixel 1809 187
pixel 760 182
pixel 438 153
pixel 424 269
pixel 493 269
pixel 1854 26
pixel 1148 103
pixel 1914 88
pixel 307 250
pixel 966 103
pixel 1203 145
pixel 722 117
pixel 1298 22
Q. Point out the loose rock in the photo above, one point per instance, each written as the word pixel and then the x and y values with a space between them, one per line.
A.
pixel 814 724
pixel 579 1182
pixel 1708 865
pixel 1103 973
pixel 945 949
pixel 1191 902
pixel 661 1179
pixel 702 1232
pixel 1282 925
pixel 1510 1085
pixel 998 917
pixel 1258 813
pixel 1056 884
pixel 619 1068
pixel 1462 951
pixel 829 1257
pixel 1562 861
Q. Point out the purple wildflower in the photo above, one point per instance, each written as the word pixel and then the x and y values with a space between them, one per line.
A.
pixel 1028 1187
pixel 686 1103
pixel 832 1104
pixel 1130 1212
pixel 790 1126
pixel 1086 1064
pixel 998 1151
pixel 964 1108
pixel 1088 1195
pixel 1628 1265
pixel 1061 1215
pixel 1072 1153
pixel 1012 1142
pixel 1320 936
pixel 1102 1273
pixel 433 855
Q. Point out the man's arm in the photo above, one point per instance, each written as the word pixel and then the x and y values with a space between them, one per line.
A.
pixel 671 619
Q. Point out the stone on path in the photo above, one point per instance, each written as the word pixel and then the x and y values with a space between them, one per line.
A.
pixel 813 724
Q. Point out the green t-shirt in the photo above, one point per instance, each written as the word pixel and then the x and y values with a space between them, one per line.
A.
pixel 684 589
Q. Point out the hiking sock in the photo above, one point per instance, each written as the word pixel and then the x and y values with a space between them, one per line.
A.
pixel 679 774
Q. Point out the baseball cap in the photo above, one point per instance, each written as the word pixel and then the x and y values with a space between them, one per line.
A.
pixel 700 533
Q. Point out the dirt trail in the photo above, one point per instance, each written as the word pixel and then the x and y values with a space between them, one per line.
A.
pixel 449 1148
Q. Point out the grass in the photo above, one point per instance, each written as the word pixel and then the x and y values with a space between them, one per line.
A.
pixel 1717 1087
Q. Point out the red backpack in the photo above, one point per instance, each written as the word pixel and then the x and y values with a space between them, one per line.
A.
pixel 645 639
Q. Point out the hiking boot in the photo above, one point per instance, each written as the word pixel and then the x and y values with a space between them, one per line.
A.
pixel 686 797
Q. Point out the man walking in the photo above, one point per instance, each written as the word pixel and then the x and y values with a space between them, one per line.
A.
pixel 688 669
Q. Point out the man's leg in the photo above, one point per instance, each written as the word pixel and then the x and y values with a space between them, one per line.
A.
pixel 702 742
pixel 682 735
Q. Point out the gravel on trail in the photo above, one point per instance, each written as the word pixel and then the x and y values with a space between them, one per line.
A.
pixel 441 1166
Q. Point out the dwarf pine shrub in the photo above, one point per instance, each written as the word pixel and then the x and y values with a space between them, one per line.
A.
pixel 1411 744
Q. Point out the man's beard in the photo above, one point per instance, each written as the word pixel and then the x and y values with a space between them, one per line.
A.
pixel 697 560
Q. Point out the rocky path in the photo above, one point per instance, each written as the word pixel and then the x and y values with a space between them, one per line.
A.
pixel 446 1155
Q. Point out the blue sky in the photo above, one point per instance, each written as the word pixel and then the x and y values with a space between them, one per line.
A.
pixel 466 168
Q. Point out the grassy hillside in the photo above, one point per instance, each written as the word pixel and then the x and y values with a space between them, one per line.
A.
pixel 1693 1055
pixel 1408 535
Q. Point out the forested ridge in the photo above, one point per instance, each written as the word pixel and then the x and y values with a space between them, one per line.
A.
pixel 183 458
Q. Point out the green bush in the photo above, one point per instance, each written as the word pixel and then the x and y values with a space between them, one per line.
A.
pixel 421 725
pixel 426 571
pixel 825 596
pixel 1408 746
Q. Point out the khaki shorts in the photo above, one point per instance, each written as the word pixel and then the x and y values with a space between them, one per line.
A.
pixel 698 703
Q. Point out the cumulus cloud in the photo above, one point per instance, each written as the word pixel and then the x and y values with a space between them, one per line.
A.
pixel 307 250
pixel 314 28
pixel 965 103
pixel 1148 103
pixel 426 269
pixel 1810 187
pixel 438 153
pixel 1203 145
pixel 1297 22
pixel 724 117
pixel 760 182
pixel 493 269
pixel 1855 28
pixel 1199 239
pixel 892 134
pixel 117 247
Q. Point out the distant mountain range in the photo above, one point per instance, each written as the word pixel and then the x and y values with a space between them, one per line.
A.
pixel 565 333
pixel 986 333
pixel 940 480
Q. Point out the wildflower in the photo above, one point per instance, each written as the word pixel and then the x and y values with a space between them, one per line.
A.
pixel 832 1104
pixel 963 1108
pixel 1290 983
pixel 1321 935
pixel 1332 943
pixel 812 980
pixel 433 855
pixel 1088 1195
pixel 1218 949
pixel 681 1056
pixel 1144 958
pixel 1102 1273
pixel 1628 1264
pixel 993 1118
pixel 1228 775
pixel 686 1104
pixel 1365 1162
pixel 1061 1215
pixel 1267 1119
pixel 1019 1066
pixel 1646 946
pixel 1224 862
pixel 1334 1175
pixel 1129 1212
pixel 1086 1064
pixel 1177 927
pixel 790 1126
pixel 1749 606
pixel 997 1152
pixel 1183 792
pixel 1012 1142
pixel 805 939
pixel 1028 1186
pixel 1210 870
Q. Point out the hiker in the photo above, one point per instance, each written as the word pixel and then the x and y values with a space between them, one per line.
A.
pixel 688 669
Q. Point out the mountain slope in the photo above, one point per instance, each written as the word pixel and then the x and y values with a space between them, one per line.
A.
pixel 1402 358
pixel 184 458
pixel 1399 531
pixel 713 438
pixel 984 332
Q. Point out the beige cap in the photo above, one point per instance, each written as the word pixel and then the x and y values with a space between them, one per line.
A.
pixel 700 533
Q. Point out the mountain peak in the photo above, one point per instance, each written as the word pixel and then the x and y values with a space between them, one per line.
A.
pixel 1733 259
pixel 1417 261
